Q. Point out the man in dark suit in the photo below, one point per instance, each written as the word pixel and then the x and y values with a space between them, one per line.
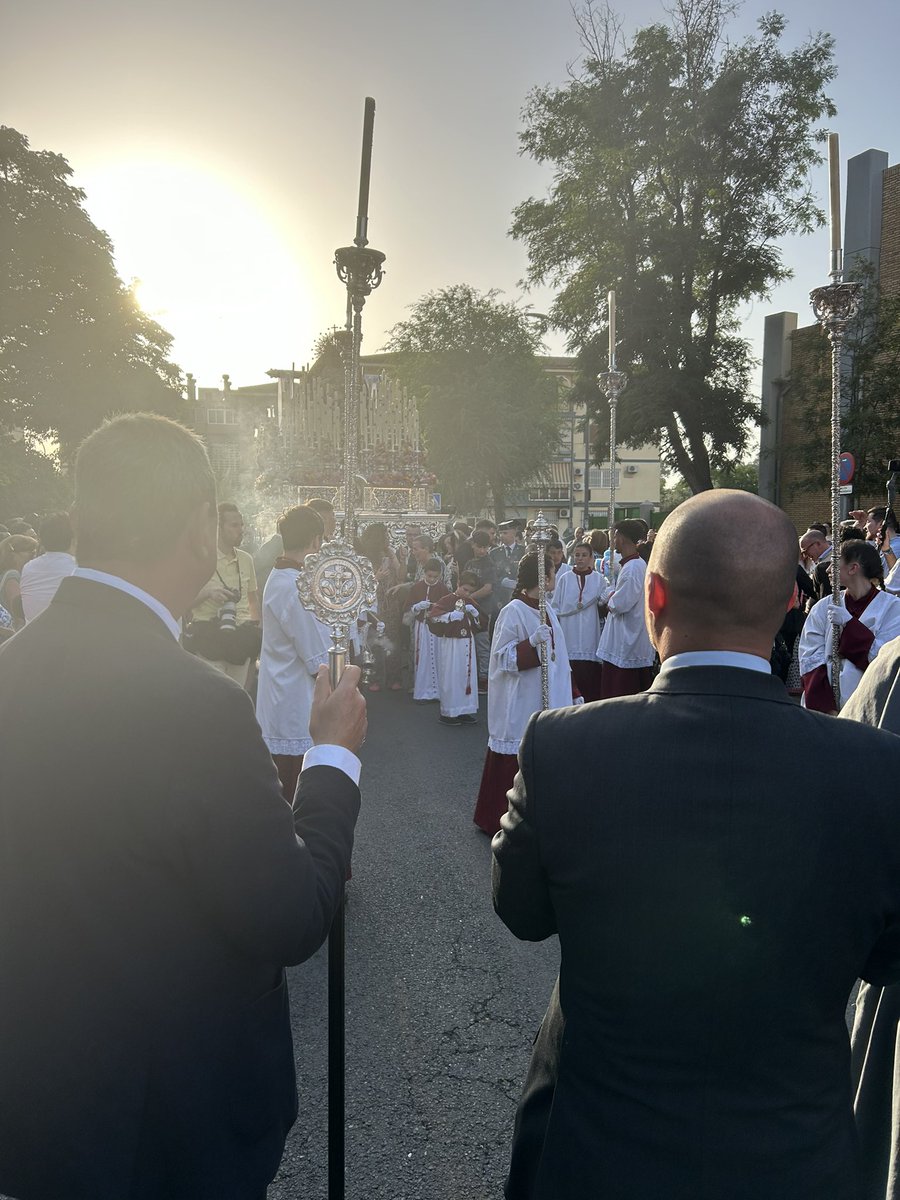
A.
pixel 816 549
pixel 154 882
pixel 713 910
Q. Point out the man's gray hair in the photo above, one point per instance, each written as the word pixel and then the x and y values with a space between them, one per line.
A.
pixel 137 480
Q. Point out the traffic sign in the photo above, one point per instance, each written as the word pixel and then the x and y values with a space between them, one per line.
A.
pixel 846 489
pixel 848 469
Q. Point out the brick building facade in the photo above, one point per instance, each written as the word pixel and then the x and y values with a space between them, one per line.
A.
pixel 797 361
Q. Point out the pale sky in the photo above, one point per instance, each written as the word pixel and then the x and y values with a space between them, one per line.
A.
pixel 219 144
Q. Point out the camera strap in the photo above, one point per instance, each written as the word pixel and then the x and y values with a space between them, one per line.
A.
pixel 240 588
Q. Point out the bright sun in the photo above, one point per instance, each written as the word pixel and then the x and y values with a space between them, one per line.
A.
pixel 210 265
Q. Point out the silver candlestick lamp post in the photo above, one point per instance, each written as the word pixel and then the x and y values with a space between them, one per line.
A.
pixel 541 532
pixel 612 383
pixel 835 305
pixel 338 585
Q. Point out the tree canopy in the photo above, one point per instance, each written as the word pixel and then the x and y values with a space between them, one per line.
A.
pixel 489 411
pixel 29 480
pixel 74 344
pixel 679 159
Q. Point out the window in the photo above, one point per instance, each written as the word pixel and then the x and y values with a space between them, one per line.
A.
pixel 599 477
pixel 549 493
pixel 221 416
pixel 224 459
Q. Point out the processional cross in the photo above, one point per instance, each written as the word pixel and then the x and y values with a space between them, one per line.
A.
pixel 338 586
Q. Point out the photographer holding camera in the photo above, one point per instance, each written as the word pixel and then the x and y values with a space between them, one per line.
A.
pixel 225 626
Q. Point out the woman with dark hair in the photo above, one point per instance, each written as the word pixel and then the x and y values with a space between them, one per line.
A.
pixel 373 542
pixel 867 617
pixel 514 684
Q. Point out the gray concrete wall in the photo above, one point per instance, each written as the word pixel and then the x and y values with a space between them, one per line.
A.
pixel 862 216
pixel 776 368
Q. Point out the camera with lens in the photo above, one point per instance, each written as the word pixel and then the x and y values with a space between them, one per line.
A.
pixel 228 613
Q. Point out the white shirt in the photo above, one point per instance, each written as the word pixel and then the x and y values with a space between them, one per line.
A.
pixel 716 658
pixel 625 641
pixel 294 646
pixel 40 579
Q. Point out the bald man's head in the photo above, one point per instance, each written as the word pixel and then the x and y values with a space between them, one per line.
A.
pixel 728 563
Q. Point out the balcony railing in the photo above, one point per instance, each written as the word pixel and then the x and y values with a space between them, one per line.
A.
pixel 371 499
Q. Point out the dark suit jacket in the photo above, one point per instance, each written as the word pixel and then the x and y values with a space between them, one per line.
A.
pixel 877 699
pixel 821 580
pixel 153 886
pixel 713 913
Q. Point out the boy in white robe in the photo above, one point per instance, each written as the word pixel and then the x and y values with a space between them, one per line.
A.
pixel 294 645
pixel 625 650
pixel 576 598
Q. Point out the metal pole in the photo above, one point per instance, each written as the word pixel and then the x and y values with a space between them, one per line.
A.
pixel 613 402
pixel 540 536
pixel 612 382
pixel 834 306
pixel 572 518
pixel 587 469
pixel 337 660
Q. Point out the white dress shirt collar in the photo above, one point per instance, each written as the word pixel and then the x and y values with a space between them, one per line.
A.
pixel 122 585
pixel 716 658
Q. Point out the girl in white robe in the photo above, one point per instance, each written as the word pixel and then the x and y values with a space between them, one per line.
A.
pixel 424 647
pixel 454 621
pixel 514 685
pixel 868 617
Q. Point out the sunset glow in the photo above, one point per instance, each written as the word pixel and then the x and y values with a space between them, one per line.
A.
pixel 210 264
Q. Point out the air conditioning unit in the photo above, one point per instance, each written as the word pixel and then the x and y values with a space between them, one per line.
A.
pixel 563 512
pixel 577 487
pixel 631 469
pixel 578 471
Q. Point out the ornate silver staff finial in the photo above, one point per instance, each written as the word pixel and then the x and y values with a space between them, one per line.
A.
pixel 540 534
pixel 835 306
pixel 338 586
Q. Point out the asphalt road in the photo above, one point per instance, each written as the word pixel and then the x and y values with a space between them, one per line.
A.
pixel 442 1002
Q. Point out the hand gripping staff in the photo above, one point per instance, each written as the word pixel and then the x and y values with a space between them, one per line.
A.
pixel 338 585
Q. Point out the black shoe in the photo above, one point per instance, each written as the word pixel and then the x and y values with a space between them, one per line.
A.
pixel 467 719
pixel 449 720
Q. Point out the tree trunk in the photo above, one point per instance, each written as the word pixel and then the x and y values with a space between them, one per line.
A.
pixel 691 459
pixel 498 491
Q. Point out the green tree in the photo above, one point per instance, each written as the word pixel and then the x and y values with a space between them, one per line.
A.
pixel 678 162
pixel 740 476
pixel 490 413
pixel 870 391
pixel 74 344
pixel 29 480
